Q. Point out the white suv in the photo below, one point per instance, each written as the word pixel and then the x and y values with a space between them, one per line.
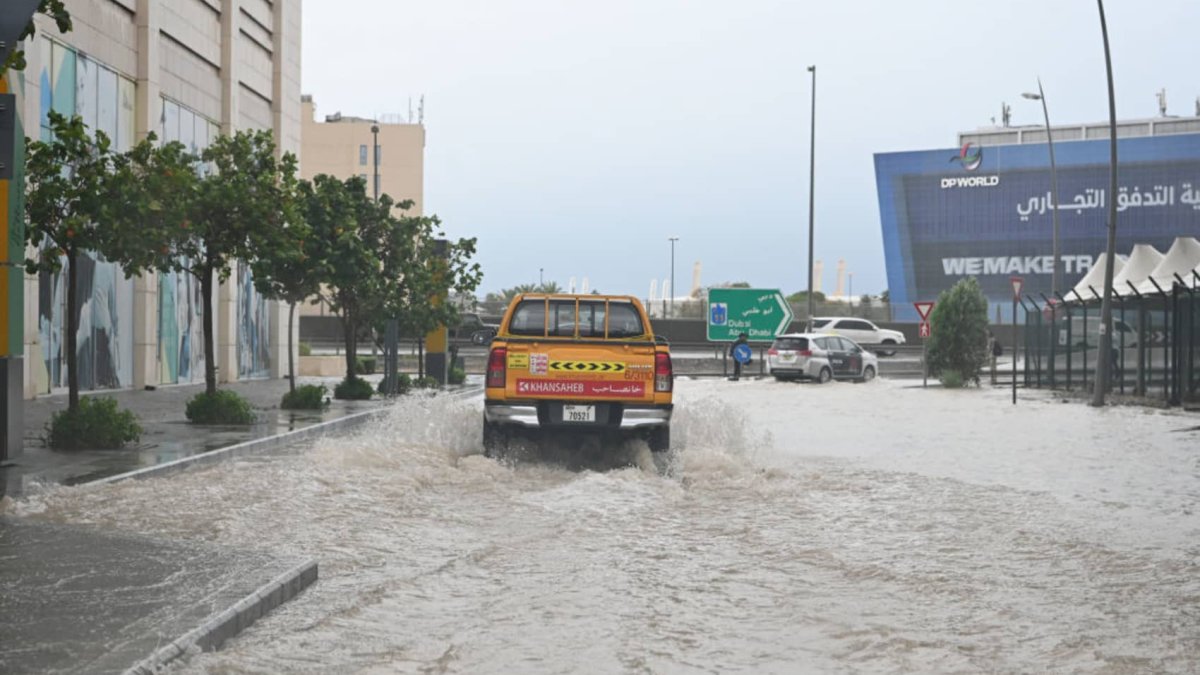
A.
pixel 860 330
pixel 820 357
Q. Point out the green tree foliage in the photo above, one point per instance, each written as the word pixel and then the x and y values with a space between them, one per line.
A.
pixel 70 203
pixel 958 344
pixel 57 11
pixel 290 271
pixel 240 208
pixel 801 297
pixel 347 229
pixel 421 270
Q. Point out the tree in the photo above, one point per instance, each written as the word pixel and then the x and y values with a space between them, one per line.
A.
pixel 69 202
pixel 290 272
pixel 421 270
pixel 57 11
pixel 958 343
pixel 801 297
pixel 239 209
pixel 347 230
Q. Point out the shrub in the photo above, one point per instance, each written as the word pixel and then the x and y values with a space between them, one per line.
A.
pixel 427 382
pixel 97 424
pixel 353 389
pixel 952 379
pixel 457 376
pixel 305 349
pixel 404 384
pixel 960 324
pixel 223 407
pixel 305 397
pixel 366 365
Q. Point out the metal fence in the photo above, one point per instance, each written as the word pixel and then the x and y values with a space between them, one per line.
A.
pixel 1156 342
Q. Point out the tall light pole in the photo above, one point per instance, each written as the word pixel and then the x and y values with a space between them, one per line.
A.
pixel 541 278
pixel 1056 276
pixel 812 168
pixel 672 240
pixel 1104 362
pixel 375 154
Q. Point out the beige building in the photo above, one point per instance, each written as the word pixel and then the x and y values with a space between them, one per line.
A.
pixel 341 146
pixel 186 70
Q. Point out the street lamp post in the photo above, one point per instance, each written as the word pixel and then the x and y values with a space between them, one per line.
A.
pixel 672 240
pixel 375 154
pixel 1056 276
pixel 812 168
pixel 1104 360
pixel 541 278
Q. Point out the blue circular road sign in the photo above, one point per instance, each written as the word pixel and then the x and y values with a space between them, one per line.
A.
pixel 742 353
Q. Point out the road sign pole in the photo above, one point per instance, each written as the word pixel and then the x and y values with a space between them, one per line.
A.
pixel 924 366
pixel 1016 346
pixel 1017 283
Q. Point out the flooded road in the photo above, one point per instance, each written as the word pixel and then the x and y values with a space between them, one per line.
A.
pixel 799 528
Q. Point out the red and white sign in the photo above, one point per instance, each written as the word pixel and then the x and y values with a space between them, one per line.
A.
pixel 1050 309
pixel 925 330
pixel 588 388
pixel 1017 283
pixel 924 308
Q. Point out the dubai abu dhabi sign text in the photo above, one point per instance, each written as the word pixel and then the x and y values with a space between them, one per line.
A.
pixel 760 313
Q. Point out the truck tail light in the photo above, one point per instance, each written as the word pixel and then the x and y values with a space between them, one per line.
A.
pixel 495 368
pixel 663 376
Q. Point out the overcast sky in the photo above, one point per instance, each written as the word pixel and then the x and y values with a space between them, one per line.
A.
pixel 578 136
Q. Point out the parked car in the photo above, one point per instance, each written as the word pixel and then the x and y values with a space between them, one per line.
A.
pixel 472 326
pixel 861 331
pixel 820 357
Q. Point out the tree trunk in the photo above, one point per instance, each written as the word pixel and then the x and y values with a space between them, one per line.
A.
pixel 350 339
pixel 291 359
pixel 72 329
pixel 210 363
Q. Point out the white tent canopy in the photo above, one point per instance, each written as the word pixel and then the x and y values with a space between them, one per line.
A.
pixel 1095 277
pixel 1141 263
pixel 1181 259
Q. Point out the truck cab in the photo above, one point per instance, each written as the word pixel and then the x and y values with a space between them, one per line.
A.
pixel 587 363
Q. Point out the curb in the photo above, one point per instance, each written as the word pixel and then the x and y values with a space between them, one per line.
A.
pixel 264 444
pixel 210 635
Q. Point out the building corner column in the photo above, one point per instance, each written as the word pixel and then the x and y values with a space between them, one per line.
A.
pixel 147 120
pixel 229 77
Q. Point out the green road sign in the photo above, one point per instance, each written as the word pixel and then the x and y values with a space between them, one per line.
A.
pixel 759 313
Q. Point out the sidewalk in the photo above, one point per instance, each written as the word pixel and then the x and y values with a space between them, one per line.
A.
pixel 167 435
pixel 87 600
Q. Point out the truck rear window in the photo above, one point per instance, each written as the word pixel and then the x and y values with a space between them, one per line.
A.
pixel 529 318
pixel 588 319
pixel 624 321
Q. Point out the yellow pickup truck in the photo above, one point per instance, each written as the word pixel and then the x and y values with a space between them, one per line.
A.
pixel 577 362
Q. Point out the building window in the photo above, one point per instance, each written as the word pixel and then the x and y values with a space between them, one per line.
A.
pixel 363 176
pixel 362 155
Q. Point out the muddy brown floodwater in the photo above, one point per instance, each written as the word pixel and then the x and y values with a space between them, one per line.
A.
pixel 798 528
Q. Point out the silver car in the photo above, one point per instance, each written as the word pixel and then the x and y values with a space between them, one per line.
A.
pixel 820 357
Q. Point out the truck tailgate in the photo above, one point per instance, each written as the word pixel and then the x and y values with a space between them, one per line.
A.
pixel 580 371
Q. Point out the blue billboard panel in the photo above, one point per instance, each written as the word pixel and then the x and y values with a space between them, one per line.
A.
pixel 988 212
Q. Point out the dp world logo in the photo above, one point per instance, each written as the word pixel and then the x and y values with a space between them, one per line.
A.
pixel 969 157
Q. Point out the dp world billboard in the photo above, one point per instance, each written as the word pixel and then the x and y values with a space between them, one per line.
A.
pixel 987 212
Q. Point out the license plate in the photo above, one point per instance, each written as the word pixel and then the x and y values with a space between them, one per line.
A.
pixel 579 413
